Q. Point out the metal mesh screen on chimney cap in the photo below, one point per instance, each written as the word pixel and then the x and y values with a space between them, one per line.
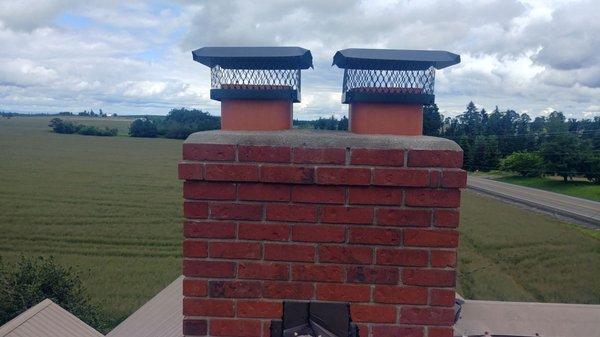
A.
pixel 391 75
pixel 264 73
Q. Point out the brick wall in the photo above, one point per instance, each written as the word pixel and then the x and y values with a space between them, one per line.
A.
pixel 373 227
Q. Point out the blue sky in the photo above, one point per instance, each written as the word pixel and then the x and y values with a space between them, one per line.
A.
pixel 134 57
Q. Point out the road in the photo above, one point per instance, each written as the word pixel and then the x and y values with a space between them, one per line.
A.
pixel 579 209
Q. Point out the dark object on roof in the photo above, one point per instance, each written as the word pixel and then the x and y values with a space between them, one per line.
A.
pixel 325 319
pixel 394 59
pixel 254 57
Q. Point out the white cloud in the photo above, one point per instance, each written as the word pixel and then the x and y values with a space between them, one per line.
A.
pixel 135 56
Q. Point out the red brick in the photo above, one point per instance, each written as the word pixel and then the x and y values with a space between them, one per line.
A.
pixel 343 292
pixel 190 171
pixel 235 250
pixel 196 268
pixel 209 152
pixel 454 178
pixel 193 248
pixel 207 307
pixel 295 213
pixel 446 218
pixel 433 198
pixel 318 233
pixel 319 194
pixel 195 210
pixel 345 254
pixel 442 297
pixel 209 229
pixel 208 190
pixel 304 155
pixel 194 327
pixel 193 287
pixel 264 192
pixel 267 232
pixel 343 176
pixel 289 252
pixel 440 332
pixel 317 273
pixel 435 158
pixel 429 277
pixel 369 313
pixel 397 331
pixel 400 295
pixel 232 211
pixel 231 172
pixel 377 157
pixel 259 309
pixel 263 271
pixel 375 195
pixel 402 257
pixel 430 238
pixel 400 177
pixel 372 275
pixel 443 258
pixel 266 154
pixel 403 217
pixel 288 290
pixel 235 289
pixel 435 178
pixel 287 174
pixel 374 236
pixel 347 215
pixel 235 327
pixel 427 316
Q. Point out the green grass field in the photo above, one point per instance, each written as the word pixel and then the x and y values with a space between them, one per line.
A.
pixel 111 208
pixel 580 188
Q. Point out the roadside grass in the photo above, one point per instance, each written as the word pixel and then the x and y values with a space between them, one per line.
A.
pixel 110 207
pixel 579 187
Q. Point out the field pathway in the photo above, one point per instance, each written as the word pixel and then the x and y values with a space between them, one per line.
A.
pixel 583 210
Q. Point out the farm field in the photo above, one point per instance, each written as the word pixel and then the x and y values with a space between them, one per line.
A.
pixel 110 207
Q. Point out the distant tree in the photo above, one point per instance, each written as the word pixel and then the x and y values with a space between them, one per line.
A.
pixel 528 164
pixel 343 123
pixel 60 126
pixel 143 127
pixel 330 123
pixel 432 120
pixel 31 280
pixel 590 167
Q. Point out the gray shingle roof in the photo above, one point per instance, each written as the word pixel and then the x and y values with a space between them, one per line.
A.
pixel 47 319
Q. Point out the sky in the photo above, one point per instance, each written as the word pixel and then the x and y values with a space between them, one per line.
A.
pixel 134 57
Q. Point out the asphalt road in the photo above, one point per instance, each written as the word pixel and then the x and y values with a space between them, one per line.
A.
pixel 579 209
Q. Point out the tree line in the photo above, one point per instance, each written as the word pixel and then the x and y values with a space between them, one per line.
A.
pixel 552 144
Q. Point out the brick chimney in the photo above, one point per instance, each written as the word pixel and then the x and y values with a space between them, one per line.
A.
pixel 297 215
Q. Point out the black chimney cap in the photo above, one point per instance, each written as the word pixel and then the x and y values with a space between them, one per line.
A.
pixel 394 59
pixel 254 57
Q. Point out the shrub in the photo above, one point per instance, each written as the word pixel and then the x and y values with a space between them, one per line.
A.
pixel 60 126
pixel 143 127
pixel 180 123
pixel 31 280
pixel 528 164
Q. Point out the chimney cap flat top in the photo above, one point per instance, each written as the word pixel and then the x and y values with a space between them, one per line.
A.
pixel 394 59
pixel 254 57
